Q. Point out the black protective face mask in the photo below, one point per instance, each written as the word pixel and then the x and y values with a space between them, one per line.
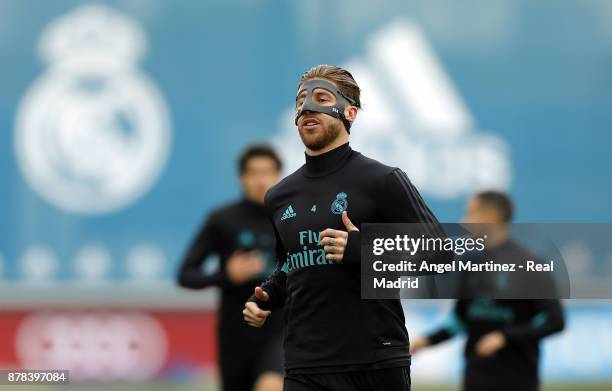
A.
pixel 336 111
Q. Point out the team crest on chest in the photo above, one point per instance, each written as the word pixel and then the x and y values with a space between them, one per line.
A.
pixel 340 204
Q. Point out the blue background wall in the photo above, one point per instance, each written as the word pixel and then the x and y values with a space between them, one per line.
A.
pixel 534 74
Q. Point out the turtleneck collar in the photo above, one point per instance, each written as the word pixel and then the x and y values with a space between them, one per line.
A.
pixel 328 162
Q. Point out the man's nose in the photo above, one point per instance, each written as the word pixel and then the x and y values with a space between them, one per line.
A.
pixel 307 112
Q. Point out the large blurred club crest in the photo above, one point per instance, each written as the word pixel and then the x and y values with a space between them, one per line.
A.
pixel 92 133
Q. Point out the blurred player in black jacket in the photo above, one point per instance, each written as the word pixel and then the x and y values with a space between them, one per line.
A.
pixel 502 349
pixel 243 239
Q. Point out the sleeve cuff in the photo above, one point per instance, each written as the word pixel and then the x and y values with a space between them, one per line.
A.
pixel 439 336
pixel 264 305
pixel 352 252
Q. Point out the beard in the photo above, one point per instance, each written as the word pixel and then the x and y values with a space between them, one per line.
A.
pixel 316 142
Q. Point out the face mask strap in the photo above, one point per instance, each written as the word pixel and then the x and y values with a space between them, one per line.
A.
pixel 336 111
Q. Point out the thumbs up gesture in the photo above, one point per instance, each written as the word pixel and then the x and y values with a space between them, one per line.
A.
pixel 334 240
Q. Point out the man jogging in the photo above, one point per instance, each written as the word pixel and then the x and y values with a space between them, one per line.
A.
pixel 334 340
pixel 241 236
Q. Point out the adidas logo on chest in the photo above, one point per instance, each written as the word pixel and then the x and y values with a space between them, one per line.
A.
pixel 288 213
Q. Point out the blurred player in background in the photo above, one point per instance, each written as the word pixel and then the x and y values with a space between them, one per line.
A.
pixel 334 340
pixel 241 236
pixel 502 349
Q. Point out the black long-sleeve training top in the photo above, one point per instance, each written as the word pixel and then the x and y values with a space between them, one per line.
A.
pixel 329 328
pixel 524 322
pixel 241 225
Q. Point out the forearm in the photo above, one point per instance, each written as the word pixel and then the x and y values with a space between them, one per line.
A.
pixel 203 246
pixel 547 321
pixel 276 288
pixel 453 326
pixel 192 277
pixel 438 336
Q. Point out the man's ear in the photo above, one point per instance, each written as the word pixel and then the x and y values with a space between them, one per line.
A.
pixel 350 112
